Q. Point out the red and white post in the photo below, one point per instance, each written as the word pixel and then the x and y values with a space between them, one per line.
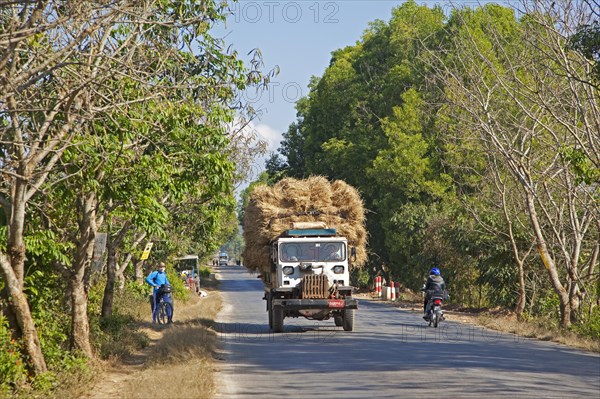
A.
pixel 378 285
pixel 393 291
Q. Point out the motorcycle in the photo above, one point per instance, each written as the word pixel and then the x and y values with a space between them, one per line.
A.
pixel 434 313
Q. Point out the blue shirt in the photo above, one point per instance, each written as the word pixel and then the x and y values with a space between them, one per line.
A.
pixel 157 278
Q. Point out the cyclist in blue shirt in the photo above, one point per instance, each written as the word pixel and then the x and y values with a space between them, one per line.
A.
pixel 156 279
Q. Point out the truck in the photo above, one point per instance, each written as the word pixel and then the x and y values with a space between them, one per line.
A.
pixel 309 277
pixel 303 237
pixel 223 259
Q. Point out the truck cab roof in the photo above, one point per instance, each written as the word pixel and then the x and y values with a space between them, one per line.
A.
pixel 309 233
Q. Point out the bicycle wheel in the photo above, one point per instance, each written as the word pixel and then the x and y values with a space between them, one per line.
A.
pixel 163 316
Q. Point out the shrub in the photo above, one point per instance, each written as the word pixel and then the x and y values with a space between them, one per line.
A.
pixel 204 272
pixel 118 335
pixel 590 328
pixel 12 367
pixel 360 277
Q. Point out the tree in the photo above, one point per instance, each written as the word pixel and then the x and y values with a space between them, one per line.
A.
pixel 527 100
pixel 64 65
pixel 587 38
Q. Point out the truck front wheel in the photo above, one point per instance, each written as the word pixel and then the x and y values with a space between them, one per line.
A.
pixel 348 319
pixel 277 321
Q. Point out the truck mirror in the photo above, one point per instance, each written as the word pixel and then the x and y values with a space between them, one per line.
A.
pixel 353 253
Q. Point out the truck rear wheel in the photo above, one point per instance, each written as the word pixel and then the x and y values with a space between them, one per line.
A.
pixel 277 319
pixel 348 319
pixel 338 321
pixel 270 318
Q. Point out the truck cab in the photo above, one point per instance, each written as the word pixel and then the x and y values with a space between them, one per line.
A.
pixel 223 259
pixel 309 277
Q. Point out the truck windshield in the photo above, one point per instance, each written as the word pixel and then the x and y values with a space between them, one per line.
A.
pixel 312 251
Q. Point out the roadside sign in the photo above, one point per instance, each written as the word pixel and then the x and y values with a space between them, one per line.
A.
pixel 146 252
pixel 99 247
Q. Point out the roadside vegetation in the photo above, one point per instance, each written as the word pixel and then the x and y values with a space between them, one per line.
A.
pixel 117 131
pixel 181 355
pixel 472 135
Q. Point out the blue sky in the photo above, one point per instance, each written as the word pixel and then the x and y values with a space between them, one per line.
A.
pixel 297 36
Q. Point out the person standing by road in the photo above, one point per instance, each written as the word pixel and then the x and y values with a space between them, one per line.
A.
pixel 156 279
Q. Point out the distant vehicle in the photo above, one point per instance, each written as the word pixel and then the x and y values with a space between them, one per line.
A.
pixel 188 268
pixel 223 259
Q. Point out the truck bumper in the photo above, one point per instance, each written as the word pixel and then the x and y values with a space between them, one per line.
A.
pixel 302 304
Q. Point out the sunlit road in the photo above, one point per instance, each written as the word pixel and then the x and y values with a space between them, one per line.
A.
pixel 391 354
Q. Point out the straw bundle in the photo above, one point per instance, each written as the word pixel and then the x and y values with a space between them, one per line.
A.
pixel 272 210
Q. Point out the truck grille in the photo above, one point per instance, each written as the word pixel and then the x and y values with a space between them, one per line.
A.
pixel 315 286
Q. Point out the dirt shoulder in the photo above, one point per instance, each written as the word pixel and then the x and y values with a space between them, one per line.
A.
pixel 178 362
pixel 499 320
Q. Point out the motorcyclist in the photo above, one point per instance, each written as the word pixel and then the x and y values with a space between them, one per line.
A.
pixel 435 283
pixel 156 279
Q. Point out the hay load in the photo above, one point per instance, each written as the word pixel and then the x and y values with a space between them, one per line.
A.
pixel 272 210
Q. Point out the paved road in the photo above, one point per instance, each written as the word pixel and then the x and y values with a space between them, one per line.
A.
pixel 391 354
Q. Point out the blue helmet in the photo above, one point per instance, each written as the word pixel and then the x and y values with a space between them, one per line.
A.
pixel 435 271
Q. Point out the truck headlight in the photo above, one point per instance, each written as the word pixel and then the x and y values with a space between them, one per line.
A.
pixel 287 270
pixel 339 269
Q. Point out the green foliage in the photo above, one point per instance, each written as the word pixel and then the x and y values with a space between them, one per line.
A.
pixel 179 292
pixel 587 41
pixel 591 327
pixel 118 335
pixel 12 368
pixel 585 170
pixel 360 277
pixel 45 293
pixel 137 290
pixel 205 272
pixel 547 306
pixel 153 150
pixel 395 105
pixel 367 113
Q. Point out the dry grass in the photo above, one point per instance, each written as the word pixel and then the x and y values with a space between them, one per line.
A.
pixel 178 362
pixel 538 329
pixel 272 210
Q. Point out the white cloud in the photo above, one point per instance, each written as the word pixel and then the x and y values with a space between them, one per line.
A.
pixel 272 136
pixel 256 132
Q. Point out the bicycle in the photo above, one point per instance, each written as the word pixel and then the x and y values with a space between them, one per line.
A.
pixel 164 314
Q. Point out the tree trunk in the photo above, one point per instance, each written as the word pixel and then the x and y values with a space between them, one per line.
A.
pixel 593 262
pixel 548 261
pixel 574 301
pixel 20 307
pixel 12 266
pixel 109 289
pixel 15 245
pixel 139 271
pixel 138 275
pixel 80 328
pixel 521 299
pixel 112 268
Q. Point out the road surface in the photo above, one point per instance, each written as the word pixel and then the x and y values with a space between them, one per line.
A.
pixel 391 354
